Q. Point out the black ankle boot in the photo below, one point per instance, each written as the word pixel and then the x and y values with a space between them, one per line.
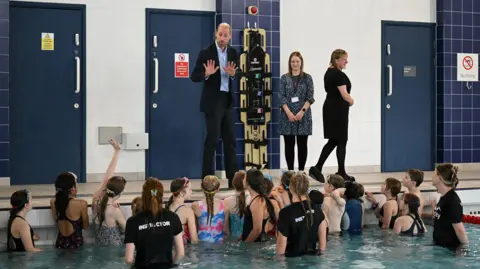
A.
pixel 316 174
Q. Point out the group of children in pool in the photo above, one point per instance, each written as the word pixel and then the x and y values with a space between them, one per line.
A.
pixel 298 216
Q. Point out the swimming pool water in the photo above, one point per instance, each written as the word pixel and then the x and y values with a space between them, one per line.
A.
pixel 375 249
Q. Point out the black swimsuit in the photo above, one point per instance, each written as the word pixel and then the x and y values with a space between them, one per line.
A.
pixel 18 244
pixel 418 224
pixel 248 225
pixel 392 219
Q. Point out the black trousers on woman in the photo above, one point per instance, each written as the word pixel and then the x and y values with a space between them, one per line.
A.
pixel 290 150
pixel 341 146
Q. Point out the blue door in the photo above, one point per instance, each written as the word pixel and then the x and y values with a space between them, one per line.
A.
pixel 47 91
pixel 175 124
pixel 408 96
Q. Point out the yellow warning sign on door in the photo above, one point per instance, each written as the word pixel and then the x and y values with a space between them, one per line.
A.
pixel 48 41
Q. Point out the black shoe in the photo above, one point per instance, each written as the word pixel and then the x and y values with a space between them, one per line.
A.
pixel 315 173
pixel 347 178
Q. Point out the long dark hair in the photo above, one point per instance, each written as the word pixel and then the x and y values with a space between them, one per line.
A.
pixel 18 200
pixel 176 187
pixel 351 191
pixel 237 183
pixel 64 185
pixel 413 203
pixel 115 186
pixel 256 181
pixel 285 181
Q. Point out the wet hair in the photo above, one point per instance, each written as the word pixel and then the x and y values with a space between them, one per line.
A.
pixel 394 185
pixel 316 197
pixel 136 205
pixel 268 185
pixel 336 54
pixel 351 191
pixel 415 175
pixel 176 187
pixel 210 186
pixel 237 183
pixel 64 185
pixel 448 173
pixel 361 192
pixel 18 200
pixel 295 54
pixel 285 181
pixel 413 203
pixel 115 186
pixel 337 181
pixel 299 185
pixel 152 196
pixel 256 181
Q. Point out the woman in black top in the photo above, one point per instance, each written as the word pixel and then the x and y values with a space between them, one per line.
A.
pixel 301 224
pixel 296 97
pixel 335 115
pixel 153 232
pixel 20 236
pixel 448 229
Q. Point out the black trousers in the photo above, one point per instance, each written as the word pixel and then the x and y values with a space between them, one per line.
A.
pixel 221 123
pixel 341 146
pixel 302 150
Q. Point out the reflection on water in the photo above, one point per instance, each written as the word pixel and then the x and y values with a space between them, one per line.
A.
pixel 375 249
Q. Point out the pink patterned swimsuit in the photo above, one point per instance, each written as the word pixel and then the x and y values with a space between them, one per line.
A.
pixel 213 231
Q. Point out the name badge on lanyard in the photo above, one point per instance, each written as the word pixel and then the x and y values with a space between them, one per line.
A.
pixel 295 87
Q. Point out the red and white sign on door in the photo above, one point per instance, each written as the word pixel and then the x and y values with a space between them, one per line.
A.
pixel 182 69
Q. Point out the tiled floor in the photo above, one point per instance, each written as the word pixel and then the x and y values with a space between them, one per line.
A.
pixel 372 182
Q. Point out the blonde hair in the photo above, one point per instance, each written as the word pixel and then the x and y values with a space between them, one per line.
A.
pixel 210 185
pixel 299 185
pixel 336 54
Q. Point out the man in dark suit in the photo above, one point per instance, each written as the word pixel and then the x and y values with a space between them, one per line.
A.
pixel 217 69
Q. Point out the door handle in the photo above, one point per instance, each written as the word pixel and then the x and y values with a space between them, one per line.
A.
pixel 77 60
pixel 155 89
pixel 390 80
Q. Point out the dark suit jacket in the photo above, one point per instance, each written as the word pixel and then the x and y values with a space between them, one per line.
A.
pixel 211 87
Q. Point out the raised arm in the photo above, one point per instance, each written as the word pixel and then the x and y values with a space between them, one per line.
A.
pixel 110 170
